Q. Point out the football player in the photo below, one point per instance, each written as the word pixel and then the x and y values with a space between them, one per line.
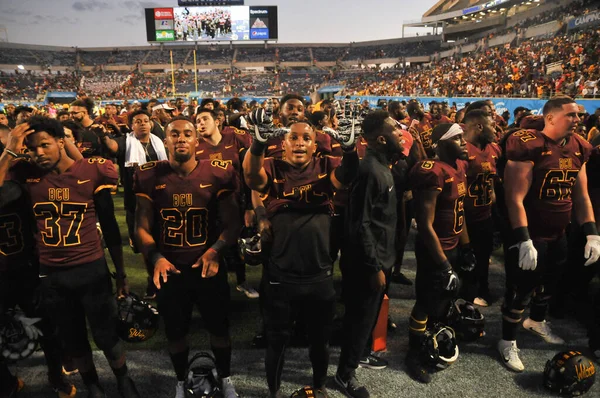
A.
pixel 19 282
pixel 544 178
pixel 299 271
pixel 186 198
pixel 68 197
pixel 291 110
pixel 370 249
pixel 420 126
pixel 230 144
pixel 481 172
pixel 439 187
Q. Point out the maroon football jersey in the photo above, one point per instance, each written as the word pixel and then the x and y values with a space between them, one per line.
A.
pixel 293 188
pixel 274 148
pixel 555 167
pixel 233 142
pixel 186 207
pixel 449 208
pixel 481 171
pixel 17 231
pixel 323 144
pixel 423 129
pixel 64 209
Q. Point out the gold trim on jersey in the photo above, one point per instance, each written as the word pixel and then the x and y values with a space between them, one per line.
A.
pixel 101 187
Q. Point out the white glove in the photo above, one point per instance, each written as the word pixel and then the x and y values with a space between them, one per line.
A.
pixel 527 255
pixel 592 249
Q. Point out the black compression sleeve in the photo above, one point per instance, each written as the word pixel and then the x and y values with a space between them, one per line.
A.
pixel 105 213
pixel 348 170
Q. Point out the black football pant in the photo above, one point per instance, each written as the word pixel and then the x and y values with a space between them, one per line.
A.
pixel 74 294
pixel 431 300
pixel 336 241
pixel 362 306
pixel 537 286
pixel 313 303
pixel 481 235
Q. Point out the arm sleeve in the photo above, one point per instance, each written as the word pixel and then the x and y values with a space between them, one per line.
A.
pixel 347 171
pixel 105 211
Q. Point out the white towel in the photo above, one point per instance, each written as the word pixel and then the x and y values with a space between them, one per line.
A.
pixel 135 153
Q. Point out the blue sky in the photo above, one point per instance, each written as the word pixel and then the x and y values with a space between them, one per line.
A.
pixel 111 23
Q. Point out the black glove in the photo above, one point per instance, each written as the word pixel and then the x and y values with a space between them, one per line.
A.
pixel 447 281
pixel 346 138
pixel 467 261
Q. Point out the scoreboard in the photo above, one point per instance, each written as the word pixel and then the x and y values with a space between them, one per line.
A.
pixel 211 23
pixel 186 3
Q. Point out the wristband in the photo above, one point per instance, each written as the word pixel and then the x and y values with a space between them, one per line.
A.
pixel 117 275
pixel 218 246
pixel 521 234
pixel 153 256
pixel 11 153
pixel 258 148
pixel 260 212
pixel 589 228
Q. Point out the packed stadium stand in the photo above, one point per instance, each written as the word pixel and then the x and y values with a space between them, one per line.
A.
pixel 536 53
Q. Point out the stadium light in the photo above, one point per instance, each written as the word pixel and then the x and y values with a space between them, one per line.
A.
pixel 20 67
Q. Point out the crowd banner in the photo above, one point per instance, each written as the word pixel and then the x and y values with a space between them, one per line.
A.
pixel 582 21
pixel 502 104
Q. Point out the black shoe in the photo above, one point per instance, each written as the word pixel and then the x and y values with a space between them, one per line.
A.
pixel 391 325
pixel 351 387
pixel 95 391
pixel 399 277
pixel 62 387
pixel 127 388
pixel 416 369
pixel 373 362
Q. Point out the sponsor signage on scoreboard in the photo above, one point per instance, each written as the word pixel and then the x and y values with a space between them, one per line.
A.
pixel 163 13
pixel 186 3
pixel 165 35
pixel 217 23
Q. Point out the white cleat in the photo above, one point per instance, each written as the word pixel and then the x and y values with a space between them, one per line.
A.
pixel 510 355
pixel 228 388
pixel 543 330
pixel 180 390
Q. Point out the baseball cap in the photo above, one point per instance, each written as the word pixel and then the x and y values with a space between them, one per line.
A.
pixel 166 107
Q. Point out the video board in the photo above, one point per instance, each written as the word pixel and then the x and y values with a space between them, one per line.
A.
pixel 190 24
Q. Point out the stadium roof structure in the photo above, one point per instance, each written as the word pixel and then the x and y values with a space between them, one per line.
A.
pixel 457 16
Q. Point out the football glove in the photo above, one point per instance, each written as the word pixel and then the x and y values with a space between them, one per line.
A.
pixel 592 249
pixel 345 138
pixel 447 281
pixel 527 255
pixel 467 259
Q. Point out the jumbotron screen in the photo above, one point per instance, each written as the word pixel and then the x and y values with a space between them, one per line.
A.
pixel 189 24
